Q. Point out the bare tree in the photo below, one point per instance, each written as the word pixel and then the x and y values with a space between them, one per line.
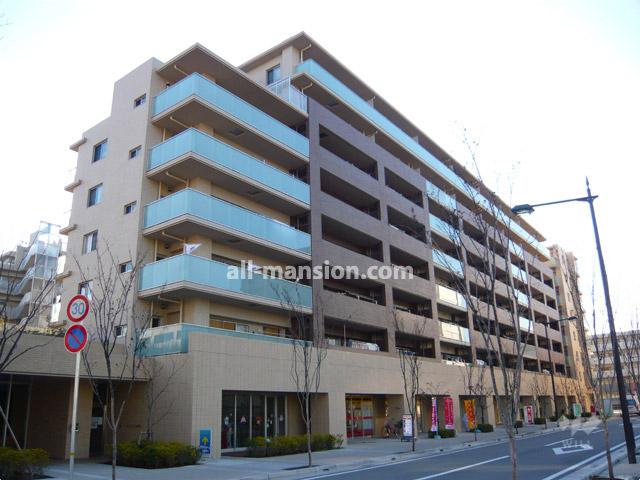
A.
pixel 410 364
pixel 309 349
pixel 476 385
pixel 540 389
pixel 630 353
pixel 495 288
pixel 160 378
pixel 113 357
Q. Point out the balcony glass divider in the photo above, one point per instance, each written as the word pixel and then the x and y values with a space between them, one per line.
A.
pixel 203 88
pixel 216 210
pixel 218 152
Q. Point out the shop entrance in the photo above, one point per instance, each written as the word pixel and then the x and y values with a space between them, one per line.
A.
pixel 359 416
pixel 249 415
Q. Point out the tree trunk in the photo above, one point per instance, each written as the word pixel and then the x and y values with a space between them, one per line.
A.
pixel 413 433
pixel 308 422
pixel 514 457
pixel 605 427
pixel 114 453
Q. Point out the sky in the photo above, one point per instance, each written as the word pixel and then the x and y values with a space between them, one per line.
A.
pixel 549 89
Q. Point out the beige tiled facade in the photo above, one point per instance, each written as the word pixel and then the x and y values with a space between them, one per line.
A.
pixel 314 168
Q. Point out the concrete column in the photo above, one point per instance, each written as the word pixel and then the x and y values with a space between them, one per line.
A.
pixel 201 185
pixel 207 406
pixel 196 311
pixel 337 414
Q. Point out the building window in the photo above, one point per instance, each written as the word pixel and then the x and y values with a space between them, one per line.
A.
pixel 95 196
pixel 90 242
pixel 85 288
pixel 100 151
pixel 273 75
pixel 121 330
pixel 134 152
pixel 126 267
pixel 141 100
pixel 247 415
pixel 129 208
pixel 155 321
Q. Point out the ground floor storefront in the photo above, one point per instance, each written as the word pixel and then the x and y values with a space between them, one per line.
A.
pixel 240 387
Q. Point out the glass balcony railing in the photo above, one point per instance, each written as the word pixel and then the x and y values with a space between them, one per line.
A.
pixel 442 227
pixel 518 273
pixel 171 339
pixel 448 262
pixel 451 331
pixel 451 296
pixel 438 195
pixel 197 85
pixel 366 110
pixel 525 324
pixel 288 92
pixel 522 298
pixel 202 271
pixel 220 153
pixel 530 351
pixel 212 209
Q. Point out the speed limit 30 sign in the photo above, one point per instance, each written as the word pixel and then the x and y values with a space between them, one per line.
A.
pixel 78 308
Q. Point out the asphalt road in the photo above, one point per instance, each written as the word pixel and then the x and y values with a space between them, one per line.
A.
pixel 549 456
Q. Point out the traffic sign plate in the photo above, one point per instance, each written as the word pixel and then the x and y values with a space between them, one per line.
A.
pixel 75 339
pixel 78 308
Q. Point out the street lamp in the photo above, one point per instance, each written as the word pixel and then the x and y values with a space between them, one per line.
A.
pixel 628 428
pixel 553 381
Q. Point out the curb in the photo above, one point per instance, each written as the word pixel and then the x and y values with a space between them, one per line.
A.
pixel 388 459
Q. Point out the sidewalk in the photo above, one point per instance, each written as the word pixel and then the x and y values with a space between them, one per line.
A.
pixel 358 453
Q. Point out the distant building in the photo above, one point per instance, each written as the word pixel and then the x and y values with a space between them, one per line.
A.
pixel 565 269
pixel 26 271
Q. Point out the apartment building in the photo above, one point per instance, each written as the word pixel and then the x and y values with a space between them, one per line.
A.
pixel 287 160
pixel 602 358
pixel 26 271
pixel 565 268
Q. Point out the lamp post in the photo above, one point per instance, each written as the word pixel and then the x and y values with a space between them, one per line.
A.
pixel 553 381
pixel 626 421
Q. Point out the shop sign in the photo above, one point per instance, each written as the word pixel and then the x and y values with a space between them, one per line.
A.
pixel 528 411
pixel 407 426
pixel 448 413
pixel 434 415
pixel 470 411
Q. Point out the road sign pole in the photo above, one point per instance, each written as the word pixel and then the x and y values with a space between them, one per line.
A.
pixel 76 384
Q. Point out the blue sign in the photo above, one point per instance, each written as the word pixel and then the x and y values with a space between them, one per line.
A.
pixel 205 441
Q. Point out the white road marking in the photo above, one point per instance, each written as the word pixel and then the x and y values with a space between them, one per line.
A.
pixel 583 462
pixel 572 449
pixel 555 443
pixel 467 467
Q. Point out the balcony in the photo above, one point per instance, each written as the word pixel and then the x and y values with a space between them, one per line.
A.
pixel 439 196
pixel 451 297
pixel 530 351
pixel 190 211
pixel 442 228
pixel 522 298
pixel 448 263
pixel 518 273
pixel 288 92
pixel 526 325
pixel 193 154
pixel 172 339
pixel 383 125
pixel 183 275
pixel 196 99
pixel 455 333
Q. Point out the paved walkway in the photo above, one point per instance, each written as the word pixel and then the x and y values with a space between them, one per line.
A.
pixel 358 452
